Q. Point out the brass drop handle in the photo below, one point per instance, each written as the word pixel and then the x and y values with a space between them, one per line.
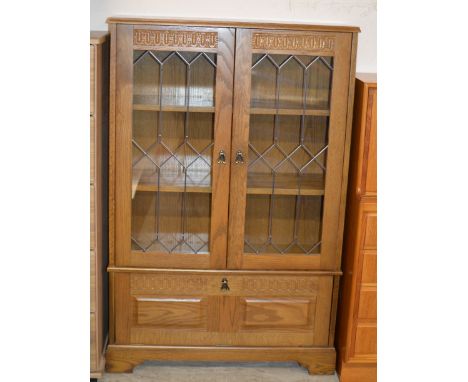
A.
pixel 224 284
pixel 222 157
pixel 239 157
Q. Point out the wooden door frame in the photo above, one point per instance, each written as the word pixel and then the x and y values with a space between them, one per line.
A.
pixel 183 38
pixel 340 46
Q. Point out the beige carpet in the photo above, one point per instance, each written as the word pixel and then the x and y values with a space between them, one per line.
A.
pixel 217 372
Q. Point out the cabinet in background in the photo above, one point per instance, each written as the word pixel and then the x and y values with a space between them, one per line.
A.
pixel 99 90
pixel 357 326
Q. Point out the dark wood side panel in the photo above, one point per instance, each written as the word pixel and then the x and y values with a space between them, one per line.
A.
pixel 356 339
pixel 99 89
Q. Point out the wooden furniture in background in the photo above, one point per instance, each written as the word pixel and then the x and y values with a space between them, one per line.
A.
pixel 357 318
pixel 99 90
pixel 229 146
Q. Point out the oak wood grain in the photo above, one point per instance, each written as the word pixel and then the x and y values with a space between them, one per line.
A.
pixel 296 272
pixel 357 327
pixel 240 136
pixel 228 302
pixel 222 142
pixel 98 151
pixel 271 310
pixel 228 23
pixel 123 358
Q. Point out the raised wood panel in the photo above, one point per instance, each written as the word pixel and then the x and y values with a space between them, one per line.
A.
pixel 369 267
pixel 370 150
pixel 92 282
pixel 269 310
pixel 364 150
pixel 370 230
pixel 171 312
pixel 278 313
pixel 368 303
pixel 92 81
pixel 366 340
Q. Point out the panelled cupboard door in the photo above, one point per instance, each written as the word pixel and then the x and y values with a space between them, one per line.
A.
pixel 289 123
pixel 173 108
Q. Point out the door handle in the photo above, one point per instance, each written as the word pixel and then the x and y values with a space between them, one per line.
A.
pixel 239 157
pixel 224 284
pixel 222 157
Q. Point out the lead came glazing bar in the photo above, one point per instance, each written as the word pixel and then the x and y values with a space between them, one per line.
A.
pixel 158 158
pixel 280 158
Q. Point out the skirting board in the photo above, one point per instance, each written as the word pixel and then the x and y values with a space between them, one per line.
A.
pixel 123 358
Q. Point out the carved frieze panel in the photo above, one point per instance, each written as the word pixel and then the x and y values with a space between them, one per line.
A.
pixel 168 283
pixel 175 38
pixel 310 42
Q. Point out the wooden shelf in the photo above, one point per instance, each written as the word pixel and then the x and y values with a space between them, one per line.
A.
pixel 257 184
pixel 183 109
pixel 288 108
pixel 285 184
pixel 172 188
pixel 148 103
pixel 173 183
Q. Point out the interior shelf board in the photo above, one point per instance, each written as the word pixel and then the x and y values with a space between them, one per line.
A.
pixel 177 104
pixel 285 184
pixel 174 108
pixel 142 187
pixel 282 111
pixel 257 184
pixel 319 108
pixel 172 182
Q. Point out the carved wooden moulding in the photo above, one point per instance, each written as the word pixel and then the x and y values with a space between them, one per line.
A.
pixel 160 283
pixel 293 42
pixel 175 38
pixel 286 285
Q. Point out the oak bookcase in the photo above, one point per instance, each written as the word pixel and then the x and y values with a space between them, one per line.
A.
pixel 229 149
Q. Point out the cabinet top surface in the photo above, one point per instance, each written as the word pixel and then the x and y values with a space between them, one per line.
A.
pixel 231 24
pixel 369 78
pixel 98 37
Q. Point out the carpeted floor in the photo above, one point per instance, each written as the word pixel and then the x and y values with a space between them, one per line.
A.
pixel 217 372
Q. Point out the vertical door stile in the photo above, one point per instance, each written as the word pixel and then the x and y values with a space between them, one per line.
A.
pixel 336 151
pixel 240 137
pixel 123 137
pixel 222 143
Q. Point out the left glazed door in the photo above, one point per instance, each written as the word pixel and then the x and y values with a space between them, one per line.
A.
pixel 173 111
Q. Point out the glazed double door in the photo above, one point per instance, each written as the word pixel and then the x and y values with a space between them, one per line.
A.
pixel 229 147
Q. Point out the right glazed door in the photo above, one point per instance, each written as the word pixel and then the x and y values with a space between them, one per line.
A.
pixel 290 106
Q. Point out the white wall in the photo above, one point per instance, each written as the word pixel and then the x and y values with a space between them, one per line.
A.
pixel 362 13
